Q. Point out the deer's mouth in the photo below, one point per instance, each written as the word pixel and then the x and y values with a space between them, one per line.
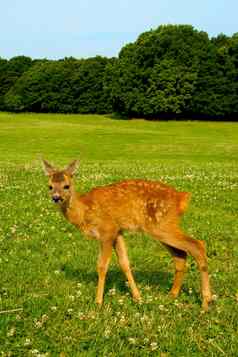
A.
pixel 57 199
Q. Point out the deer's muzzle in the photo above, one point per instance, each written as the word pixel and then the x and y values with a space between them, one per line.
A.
pixel 57 198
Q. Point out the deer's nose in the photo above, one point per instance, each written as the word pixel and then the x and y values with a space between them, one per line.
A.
pixel 56 198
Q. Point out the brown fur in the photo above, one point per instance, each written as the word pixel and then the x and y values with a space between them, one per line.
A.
pixel 136 205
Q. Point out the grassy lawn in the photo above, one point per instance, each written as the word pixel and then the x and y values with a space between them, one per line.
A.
pixel 48 271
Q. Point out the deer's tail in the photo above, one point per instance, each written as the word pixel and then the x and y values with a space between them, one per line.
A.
pixel 183 201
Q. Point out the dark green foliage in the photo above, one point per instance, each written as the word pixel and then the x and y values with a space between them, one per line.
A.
pixel 88 86
pixel 216 88
pixel 64 86
pixel 177 71
pixel 10 71
pixel 158 72
pixel 174 71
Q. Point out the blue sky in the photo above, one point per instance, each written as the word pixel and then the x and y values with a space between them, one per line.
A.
pixel 85 28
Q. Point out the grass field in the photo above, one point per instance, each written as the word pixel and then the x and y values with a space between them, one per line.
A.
pixel 48 271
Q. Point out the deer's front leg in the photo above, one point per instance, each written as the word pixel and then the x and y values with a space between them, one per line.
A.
pixel 102 268
pixel 125 266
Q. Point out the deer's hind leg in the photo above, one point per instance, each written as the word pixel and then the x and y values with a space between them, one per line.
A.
pixel 179 258
pixel 196 248
pixel 124 263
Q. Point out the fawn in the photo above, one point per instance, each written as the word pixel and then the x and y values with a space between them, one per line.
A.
pixel 149 206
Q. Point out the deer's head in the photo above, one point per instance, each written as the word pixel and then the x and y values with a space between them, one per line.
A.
pixel 60 181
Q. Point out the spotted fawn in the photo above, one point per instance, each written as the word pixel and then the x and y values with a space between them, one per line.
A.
pixel 135 205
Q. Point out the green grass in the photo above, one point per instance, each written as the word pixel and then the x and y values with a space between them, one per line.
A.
pixel 48 271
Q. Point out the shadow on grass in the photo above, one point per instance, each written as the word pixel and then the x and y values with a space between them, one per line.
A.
pixel 116 116
pixel 115 278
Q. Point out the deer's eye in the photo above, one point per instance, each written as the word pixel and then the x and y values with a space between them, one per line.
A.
pixel 50 187
pixel 66 187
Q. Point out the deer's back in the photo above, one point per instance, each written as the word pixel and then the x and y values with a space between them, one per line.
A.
pixel 135 204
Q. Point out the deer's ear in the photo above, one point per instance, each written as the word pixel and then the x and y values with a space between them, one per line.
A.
pixel 48 168
pixel 71 168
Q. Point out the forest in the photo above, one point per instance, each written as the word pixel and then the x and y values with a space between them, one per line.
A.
pixel 172 72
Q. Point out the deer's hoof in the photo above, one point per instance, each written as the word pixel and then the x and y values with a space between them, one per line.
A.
pixel 173 294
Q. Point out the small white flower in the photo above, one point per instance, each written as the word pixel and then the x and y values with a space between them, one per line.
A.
pixel 13 229
pixel 38 324
pixel 122 319
pixel 11 332
pixel 132 340
pixel 27 342
pixel 144 318
pixel 107 332
pixel 112 292
pixel 154 346
pixel 120 301
pixel 149 298
pixel 44 318
pixel 147 287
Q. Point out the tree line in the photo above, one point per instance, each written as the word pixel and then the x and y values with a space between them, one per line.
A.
pixel 174 71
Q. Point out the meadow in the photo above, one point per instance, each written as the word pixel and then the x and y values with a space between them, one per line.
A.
pixel 48 270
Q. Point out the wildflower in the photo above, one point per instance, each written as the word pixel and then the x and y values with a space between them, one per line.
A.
pixel 82 316
pixel 154 346
pixel 107 332
pixel 144 318
pixel 11 332
pixel 13 229
pixel 149 299
pixel 27 342
pixel 44 318
pixel 38 324
pixel 132 340
pixel 112 292
pixel 122 319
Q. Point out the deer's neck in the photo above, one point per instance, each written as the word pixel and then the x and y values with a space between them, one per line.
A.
pixel 74 209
